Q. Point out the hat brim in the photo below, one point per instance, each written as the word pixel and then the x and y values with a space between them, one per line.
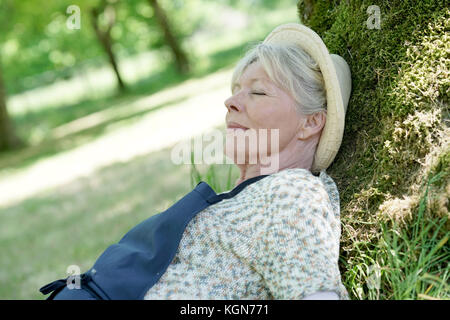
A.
pixel 311 43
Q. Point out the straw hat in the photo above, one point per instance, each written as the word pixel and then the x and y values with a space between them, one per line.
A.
pixel 338 85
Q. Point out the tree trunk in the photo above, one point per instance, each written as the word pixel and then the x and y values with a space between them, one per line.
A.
pixel 8 139
pixel 305 9
pixel 104 37
pixel 181 60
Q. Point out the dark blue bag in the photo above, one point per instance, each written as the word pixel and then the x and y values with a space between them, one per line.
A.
pixel 128 269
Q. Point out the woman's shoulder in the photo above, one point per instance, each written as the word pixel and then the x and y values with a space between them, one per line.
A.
pixel 293 179
pixel 303 188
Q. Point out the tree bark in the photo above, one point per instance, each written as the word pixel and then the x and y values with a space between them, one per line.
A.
pixel 8 139
pixel 104 37
pixel 305 9
pixel 181 60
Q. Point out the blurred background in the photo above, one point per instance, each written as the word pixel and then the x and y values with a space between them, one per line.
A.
pixel 93 95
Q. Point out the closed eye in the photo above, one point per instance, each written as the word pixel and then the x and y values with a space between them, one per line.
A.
pixel 259 93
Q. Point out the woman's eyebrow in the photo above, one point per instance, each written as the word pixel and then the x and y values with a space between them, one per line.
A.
pixel 236 84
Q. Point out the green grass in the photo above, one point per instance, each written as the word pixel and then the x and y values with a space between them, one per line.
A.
pixel 73 224
pixel 220 177
pixel 408 261
pixel 417 257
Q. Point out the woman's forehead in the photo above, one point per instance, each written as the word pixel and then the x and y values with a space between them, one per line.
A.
pixel 252 74
pixel 255 71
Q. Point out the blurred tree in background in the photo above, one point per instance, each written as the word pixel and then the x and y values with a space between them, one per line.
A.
pixel 103 33
pixel 161 18
pixel 8 139
pixel 37 47
pixel 35 38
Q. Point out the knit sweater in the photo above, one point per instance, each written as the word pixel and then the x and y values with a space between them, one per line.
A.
pixel 276 239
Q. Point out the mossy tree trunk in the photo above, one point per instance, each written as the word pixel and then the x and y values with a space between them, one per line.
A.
pixel 305 8
pixel 396 138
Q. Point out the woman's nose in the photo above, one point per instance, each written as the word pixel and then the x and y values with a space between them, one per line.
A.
pixel 233 104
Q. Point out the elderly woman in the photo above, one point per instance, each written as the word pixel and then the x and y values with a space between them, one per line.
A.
pixel 275 235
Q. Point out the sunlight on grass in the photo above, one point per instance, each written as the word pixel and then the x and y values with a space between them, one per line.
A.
pixel 153 132
pixel 184 91
pixel 74 223
pixel 91 82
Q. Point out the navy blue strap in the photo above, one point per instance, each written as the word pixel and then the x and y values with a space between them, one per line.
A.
pixel 55 285
pixel 86 283
pixel 227 195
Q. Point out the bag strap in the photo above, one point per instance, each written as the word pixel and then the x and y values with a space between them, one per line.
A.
pixel 54 287
pixel 227 195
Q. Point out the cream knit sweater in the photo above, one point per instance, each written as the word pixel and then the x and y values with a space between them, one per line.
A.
pixel 277 239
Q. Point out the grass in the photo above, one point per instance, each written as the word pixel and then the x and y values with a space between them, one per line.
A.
pixel 408 262
pixel 72 224
pixel 417 256
pixel 220 177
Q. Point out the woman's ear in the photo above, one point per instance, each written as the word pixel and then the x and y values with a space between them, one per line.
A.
pixel 311 125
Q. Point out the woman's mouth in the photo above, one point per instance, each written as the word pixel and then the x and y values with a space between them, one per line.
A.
pixel 235 126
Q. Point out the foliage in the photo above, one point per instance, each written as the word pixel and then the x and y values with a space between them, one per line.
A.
pixel 37 48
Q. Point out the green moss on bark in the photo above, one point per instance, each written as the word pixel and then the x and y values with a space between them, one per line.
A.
pixel 398 114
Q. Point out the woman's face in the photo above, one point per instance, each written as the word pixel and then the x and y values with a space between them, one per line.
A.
pixel 257 103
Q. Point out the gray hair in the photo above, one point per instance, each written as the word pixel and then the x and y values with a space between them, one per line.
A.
pixel 292 70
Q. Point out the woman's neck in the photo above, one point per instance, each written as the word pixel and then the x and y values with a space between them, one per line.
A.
pixel 286 161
